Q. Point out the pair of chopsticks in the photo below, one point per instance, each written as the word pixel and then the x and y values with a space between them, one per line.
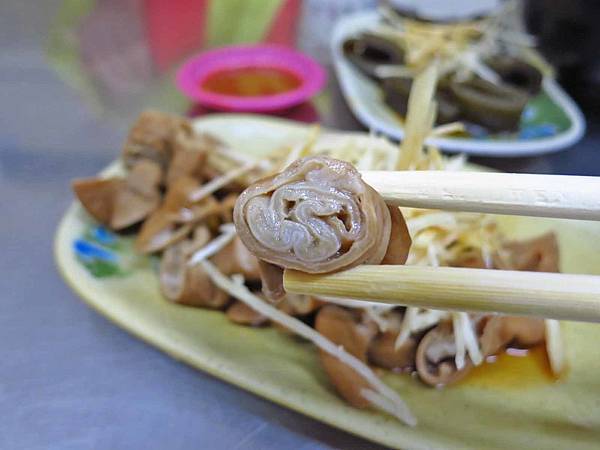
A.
pixel 549 295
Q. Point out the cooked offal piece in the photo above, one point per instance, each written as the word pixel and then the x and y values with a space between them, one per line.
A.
pixel 342 327
pixel 540 254
pixel 318 216
pixel 169 141
pixel 236 259
pixel 435 357
pixel 502 331
pixel 121 202
pixel 140 196
pixel 175 218
pixel 163 227
pixel 152 137
pixel 97 196
pixel 188 159
pixel 190 285
pixel 242 314
pixel 385 351
pixel 185 284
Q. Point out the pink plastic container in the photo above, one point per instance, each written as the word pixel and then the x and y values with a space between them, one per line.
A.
pixel 195 71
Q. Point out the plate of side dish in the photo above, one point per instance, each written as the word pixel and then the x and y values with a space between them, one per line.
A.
pixel 513 400
pixel 550 119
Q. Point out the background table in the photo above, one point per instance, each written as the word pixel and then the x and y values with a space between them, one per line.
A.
pixel 69 379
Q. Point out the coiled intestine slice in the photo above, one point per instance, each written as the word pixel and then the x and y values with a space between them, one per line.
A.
pixel 319 216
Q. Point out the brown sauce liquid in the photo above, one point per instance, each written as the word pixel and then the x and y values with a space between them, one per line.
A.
pixel 251 81
pixel 513 369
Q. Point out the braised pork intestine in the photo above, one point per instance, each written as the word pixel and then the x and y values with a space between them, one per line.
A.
pixel 319 216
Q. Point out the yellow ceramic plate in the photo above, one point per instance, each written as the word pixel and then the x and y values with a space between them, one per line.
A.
pixel 285 370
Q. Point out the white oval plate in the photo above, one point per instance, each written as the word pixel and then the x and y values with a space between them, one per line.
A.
pixel 553 111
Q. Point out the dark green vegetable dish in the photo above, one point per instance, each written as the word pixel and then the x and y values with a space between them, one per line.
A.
pixel 488 72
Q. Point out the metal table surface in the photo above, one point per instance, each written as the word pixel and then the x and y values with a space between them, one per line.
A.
pixel 69 379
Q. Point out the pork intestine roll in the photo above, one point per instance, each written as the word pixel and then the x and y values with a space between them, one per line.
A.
pixel 319 216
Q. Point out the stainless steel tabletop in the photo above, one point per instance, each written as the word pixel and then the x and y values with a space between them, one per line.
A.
pixel 69 379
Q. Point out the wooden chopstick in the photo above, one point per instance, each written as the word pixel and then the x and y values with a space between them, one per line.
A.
pixel 548 295
pixel 562 196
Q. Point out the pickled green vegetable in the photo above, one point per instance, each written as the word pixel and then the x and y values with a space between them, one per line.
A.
pixel 369 51
pixel 496 107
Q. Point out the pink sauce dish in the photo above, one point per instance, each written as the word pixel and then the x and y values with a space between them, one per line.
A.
pixel 253 78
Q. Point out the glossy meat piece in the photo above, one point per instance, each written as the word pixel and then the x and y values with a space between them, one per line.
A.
pixel 97 196
pixel 539 254
pixel 400 241
pixel 242 314
pixel 272 280
pixel 175 218
pixel 236 259
pixel 139 197
pixel 502 331
pixel 151 137
pixel 299 304
pixel 121 202
pixel 187 160
pixel 341 327
pixel 188 285
pixel 435 358
pixel 383 351
pixel 316 216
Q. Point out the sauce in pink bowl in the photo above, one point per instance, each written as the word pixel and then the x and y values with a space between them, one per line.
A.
pixel 251 78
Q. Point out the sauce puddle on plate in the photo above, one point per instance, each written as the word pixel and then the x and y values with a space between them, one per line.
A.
pixel 513 369
pixel 251 81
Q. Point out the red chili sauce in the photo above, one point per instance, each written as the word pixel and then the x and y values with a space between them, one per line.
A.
pixel 251 81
